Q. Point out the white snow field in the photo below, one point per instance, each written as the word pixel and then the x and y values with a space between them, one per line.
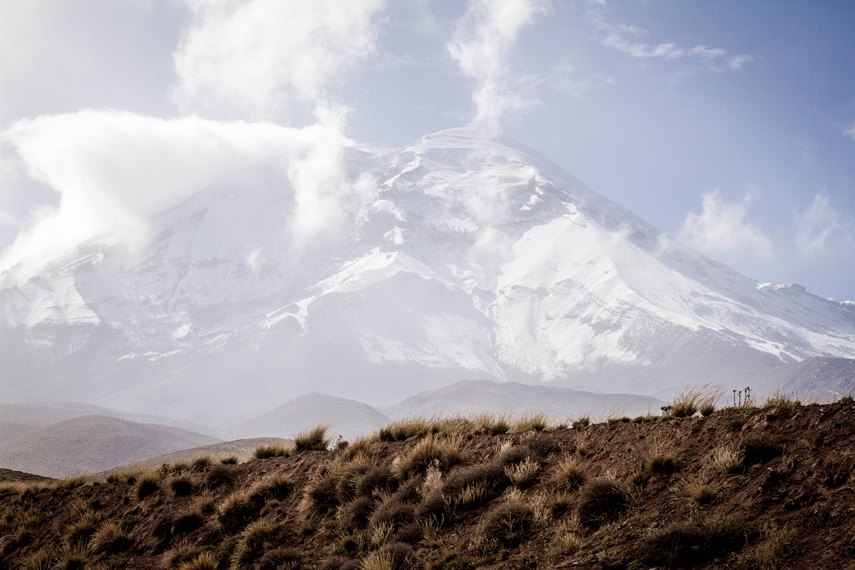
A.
pixel 460 257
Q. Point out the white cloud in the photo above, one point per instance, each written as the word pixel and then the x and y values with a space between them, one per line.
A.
pixel 721 230
pixel 481 41
pixel 625 39
pixel 821 229
pixel 851 130
pixel 115 170
pixel 253 59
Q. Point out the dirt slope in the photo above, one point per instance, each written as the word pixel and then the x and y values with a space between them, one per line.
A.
pixel 742 488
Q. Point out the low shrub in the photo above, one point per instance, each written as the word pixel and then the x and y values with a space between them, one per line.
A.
pixel 602 501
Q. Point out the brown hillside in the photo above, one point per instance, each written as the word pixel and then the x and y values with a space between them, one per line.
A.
pixel 742 488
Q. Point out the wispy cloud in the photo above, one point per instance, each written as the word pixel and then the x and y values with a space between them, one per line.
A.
pixel 851 131
pixel 628 40
pixel 722 230
pixel 481 41
pixel 566 78
pixel 822 229
pixel 252 59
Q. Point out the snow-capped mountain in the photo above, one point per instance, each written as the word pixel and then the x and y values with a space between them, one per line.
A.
pixel 467 257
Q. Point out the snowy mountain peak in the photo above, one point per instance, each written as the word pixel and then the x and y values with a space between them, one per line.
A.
pixel 472 257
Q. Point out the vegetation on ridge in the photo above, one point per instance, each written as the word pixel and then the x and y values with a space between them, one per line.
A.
pixel 722 489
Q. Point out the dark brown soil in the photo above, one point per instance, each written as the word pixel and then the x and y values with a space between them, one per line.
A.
pixel 789 501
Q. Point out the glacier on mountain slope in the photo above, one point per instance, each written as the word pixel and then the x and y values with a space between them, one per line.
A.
pixel 474 257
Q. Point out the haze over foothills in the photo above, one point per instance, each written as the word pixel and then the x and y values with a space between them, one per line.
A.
pixel 209 210
pixel 730 125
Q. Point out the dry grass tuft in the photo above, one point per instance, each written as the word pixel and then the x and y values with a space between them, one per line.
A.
pixel 523 473
pixel 258 537
pixel 204 561
pixel 686 403
pixel 697 489
pixel 147 485
pixel 508 525
pixel 314 439
pixel 658 457
pixel 602 501
pixel 268 451
pixel 181 485
pixel 79 533
pixel 530 422
pixel 111 538
pixel 442 452
pixel 782 399
pixel 708 400
pixel 727 459
pixel 569 474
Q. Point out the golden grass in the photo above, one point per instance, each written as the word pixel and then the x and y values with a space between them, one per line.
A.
pixel 314 439
pixel 442 452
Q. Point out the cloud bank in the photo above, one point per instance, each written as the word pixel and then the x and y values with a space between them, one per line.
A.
pixel 254 59
pixel 480 45
pixel 115 170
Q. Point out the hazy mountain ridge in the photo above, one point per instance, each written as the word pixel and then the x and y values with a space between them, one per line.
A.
pixel 91 444
pixel 473 258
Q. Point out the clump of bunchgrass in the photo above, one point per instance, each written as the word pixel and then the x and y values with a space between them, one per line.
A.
pixel 181 485
pixel 443 452
pixel 508 525
pixel 727 459
pixel 708 400
pixel 602 501
pixel 686 403
pixel 658 457
pixel 147 484
pixel 314 439
pixel 271 450
pixel 530 422
pixel 523 473
pixel 569 474
pixel 781 399
pixel 110 538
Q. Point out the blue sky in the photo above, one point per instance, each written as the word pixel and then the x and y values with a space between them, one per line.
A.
pixel 728 124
